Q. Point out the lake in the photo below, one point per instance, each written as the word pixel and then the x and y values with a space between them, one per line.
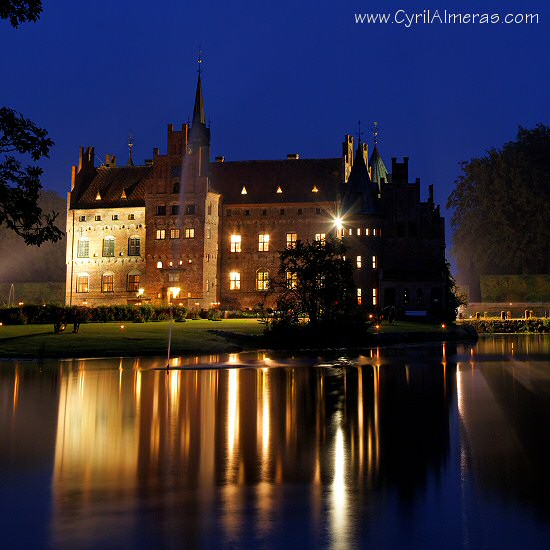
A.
pixel 441 446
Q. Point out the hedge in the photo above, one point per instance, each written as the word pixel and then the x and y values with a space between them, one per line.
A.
pixel 490 326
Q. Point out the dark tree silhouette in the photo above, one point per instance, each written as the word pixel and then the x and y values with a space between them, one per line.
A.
pixel 20 11
pixel 20 185
pixel 502 208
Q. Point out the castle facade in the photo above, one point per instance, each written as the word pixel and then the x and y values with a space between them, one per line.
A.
pixel 183 229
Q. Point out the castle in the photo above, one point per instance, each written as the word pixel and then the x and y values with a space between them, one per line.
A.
pixel 186 230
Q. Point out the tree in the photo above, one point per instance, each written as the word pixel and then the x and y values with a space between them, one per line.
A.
pixel 20 11
pixel 315 280
pixel 20 185
pixel 501 207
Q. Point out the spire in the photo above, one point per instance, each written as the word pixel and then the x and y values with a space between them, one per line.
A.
pixel 130 147
pixel 379 171
pixel 198 111
pixel 360 194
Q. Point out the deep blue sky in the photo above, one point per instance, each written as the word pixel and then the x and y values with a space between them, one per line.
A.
pixel 279 77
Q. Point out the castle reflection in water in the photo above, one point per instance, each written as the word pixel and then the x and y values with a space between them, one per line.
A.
pixel 212 455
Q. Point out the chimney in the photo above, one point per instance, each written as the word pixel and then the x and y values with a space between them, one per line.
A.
pixel 293 156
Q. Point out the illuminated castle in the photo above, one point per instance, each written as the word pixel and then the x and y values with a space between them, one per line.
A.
pixel 209 233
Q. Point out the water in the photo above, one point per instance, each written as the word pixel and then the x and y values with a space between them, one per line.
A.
pixel 415 447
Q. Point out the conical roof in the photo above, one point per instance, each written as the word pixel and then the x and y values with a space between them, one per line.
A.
pixel 379 171
pixel 360 194
pixel 198 110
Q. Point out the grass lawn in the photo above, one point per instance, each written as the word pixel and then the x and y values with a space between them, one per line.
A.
pixel 109 339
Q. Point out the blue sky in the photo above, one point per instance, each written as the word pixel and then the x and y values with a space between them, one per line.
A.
pixel 291 76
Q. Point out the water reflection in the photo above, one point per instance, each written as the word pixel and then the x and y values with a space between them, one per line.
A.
pixel 248 450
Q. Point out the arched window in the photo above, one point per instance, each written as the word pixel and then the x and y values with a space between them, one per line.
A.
pixel 108 282
pixel 134 246
pixel 108 247
pixel 83 282
pixel 262 279
pixel 83 250
pixel 133 281
pixel 159 265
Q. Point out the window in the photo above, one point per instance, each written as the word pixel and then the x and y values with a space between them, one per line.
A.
pixel 108 247
pixel 161 210
pixel 174 233
pixel 264 212
pixel 262 280
pixel 359 262
pixel 235 243
pixel 263 242
pixel 174 210
pixel 247 212
pixel 159 265
pixel 317 211
pixel 97 218
pixel 359 298
pixel 161 234
pixel 83 250
pixel 228 212
pixel 131 217
pixel 115 217
pixel 189 232
pixel 374 296
pixel 176 171
pixel 367 231
pixel 374 232
pixel 107 282
pixel 291 279
pixel 134 246
pixel 173 277
pixel 291 239
pixel 350 231
pixel 406 296
pixel 190 209
pixel 419 296
pixel 321 237
pixel 83 283
pixel 209 209
pixel 208 232
pixel 300 211
pixel 374 262
pixel 234 280
pixel 133 282
pixel 81 218
pixel 358 231
pixel 282 211
pixel 176 187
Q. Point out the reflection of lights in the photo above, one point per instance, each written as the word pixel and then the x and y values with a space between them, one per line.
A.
pixel 15 389
pixel 233 410
pixel 338 509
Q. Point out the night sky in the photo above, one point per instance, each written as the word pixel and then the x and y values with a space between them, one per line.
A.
pixel 278 77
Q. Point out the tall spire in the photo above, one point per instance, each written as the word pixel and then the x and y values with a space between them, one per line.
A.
pixel 198 111
pixel 130 147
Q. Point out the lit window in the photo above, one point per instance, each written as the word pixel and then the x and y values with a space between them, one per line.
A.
pixel 83 248
pixel 83 283
pixel 189 232
pixel 244 191
pixel 161 234
pixel 133 282
pixel 134 246
pixel 107 282
pixel 315 190
pixel 291 239
pixel 115 217
pixel 374 296
pixel 374 232
pixel 279 190
pixel 291 279
pixel 358 231
pixel 108 246
pixel 235 243
pixel 208 232
pixel 367 231
pixel 174 233
pixel 161 210
pixel 350 231
pixel 262 280
pixel 159 265
pixel 406 296
pixel 321 237
pixel 359 262
pixel 374 262
pixel 234 280
pixel 263 242
pixel 359 296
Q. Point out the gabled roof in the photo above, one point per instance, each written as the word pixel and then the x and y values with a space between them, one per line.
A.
pixel 299 180
pixel 112 186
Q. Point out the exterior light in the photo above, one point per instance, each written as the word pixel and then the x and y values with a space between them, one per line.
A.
pixel 443 325
pixel 121 327
pixel 141 291
pixel 338 223
pixel 377 327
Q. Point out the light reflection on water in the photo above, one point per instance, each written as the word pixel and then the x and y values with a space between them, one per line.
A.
pixel 415 446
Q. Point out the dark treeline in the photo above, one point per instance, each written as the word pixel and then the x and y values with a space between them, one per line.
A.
pixel 501 205
pixel 33 264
